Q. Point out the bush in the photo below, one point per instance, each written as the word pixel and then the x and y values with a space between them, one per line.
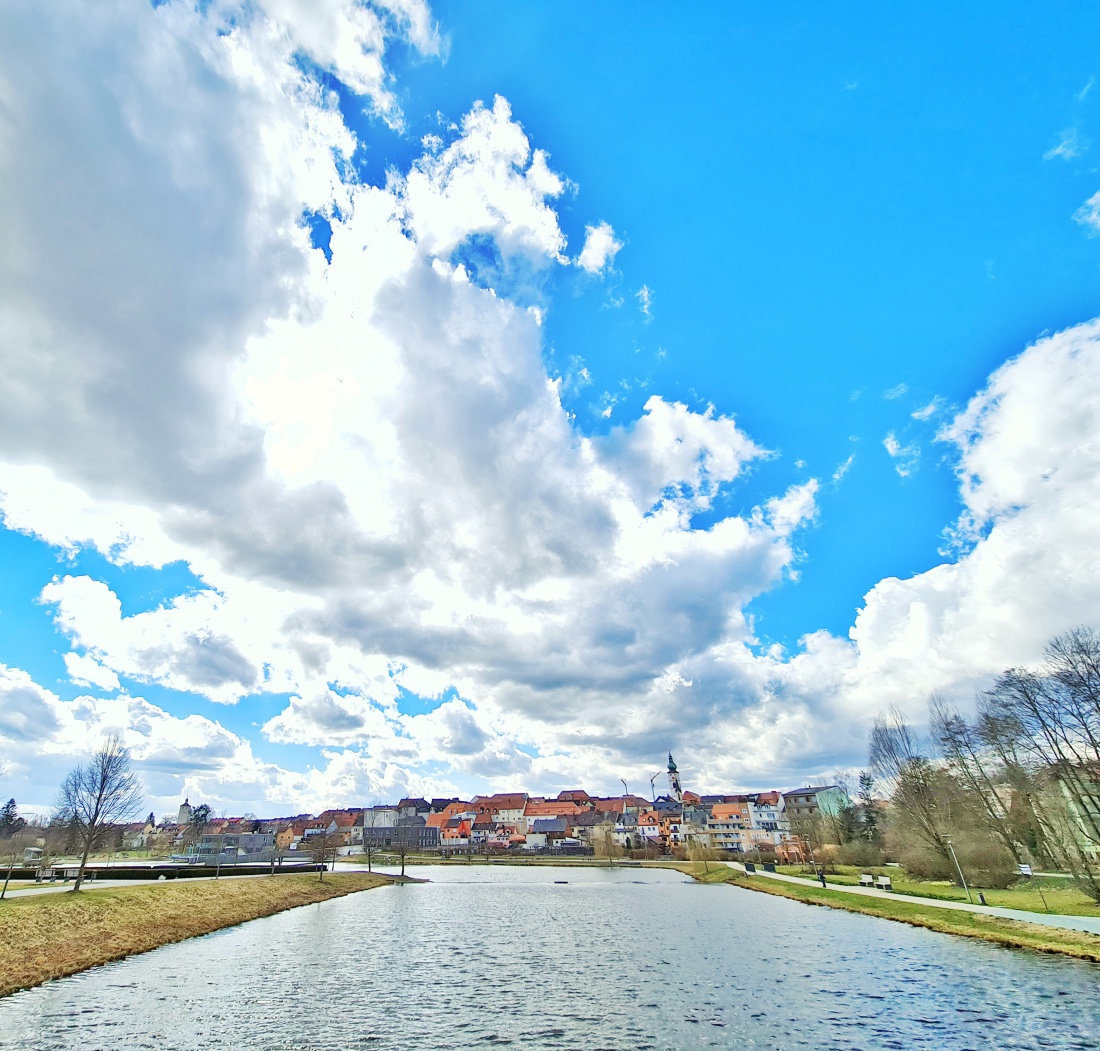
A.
pixel 861 854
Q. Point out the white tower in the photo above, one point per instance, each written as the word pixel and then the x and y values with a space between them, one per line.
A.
pixel 674 781
pixel 184 815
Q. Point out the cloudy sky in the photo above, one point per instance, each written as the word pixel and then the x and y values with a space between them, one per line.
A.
pixel 433 400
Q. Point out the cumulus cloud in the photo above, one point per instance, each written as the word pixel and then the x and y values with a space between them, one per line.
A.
pixel 364 460
pixel 367 465
pixel 600 248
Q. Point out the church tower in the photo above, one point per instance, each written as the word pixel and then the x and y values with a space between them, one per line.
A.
pixel 674 781
pixel 184 815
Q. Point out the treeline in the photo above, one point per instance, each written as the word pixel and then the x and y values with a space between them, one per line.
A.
pixel 1018 784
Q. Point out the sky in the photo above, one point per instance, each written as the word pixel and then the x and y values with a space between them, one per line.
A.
pixel 406 399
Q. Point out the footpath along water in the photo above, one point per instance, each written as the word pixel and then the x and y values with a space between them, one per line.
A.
pixel 627 959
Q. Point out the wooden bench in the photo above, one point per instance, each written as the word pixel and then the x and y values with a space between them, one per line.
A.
pixel 866 880
pixel 883 883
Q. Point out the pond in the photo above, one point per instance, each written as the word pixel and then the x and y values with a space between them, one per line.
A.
pixel 560 958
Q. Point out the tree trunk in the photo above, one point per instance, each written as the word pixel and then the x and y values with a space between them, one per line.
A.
pixel 83 863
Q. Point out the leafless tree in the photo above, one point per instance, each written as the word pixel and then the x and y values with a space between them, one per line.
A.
pixel 322 848
pixel 902 762
pixel 11 852
pixel 97 794
pixel 1044 724
pixel 604 845
pixel 976 767
pixel 372 820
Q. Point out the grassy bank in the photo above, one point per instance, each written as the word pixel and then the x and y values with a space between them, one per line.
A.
pixel 994 929
pixel 1056 896
pixel 51 935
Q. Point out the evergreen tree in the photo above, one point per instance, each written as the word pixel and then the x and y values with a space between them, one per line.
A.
pixel 10 821
pixel 868 812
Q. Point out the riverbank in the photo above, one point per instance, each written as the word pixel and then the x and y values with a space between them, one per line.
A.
pixel 54 935
pixel 1010 933
pixel 1050 895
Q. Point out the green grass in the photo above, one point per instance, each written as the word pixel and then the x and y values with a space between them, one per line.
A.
pixel 1062 898
pixel 1000 931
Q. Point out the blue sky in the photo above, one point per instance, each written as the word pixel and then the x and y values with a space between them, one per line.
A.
pixel 321 517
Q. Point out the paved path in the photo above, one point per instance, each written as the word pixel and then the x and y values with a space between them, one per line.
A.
pixel 1088 924
pixel 106 884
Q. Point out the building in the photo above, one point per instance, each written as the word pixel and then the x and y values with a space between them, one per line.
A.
pixel 804 809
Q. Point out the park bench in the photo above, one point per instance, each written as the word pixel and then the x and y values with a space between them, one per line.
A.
pixel 866 880
pixel 750 867
pixel 883 883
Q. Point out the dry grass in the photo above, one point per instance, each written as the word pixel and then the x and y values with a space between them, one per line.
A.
pixel 1010 933
pixel 51 935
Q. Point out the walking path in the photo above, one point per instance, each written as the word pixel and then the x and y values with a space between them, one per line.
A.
pixel 1088 924
pixel 97 884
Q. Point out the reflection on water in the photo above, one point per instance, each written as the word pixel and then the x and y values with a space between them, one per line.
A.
pixel 630 959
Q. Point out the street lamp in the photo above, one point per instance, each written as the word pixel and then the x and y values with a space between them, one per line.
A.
pixel 958 868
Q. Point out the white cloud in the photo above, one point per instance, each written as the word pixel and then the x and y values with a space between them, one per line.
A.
pixel 843 468
pixel 600 248
pixel 1088 215
pixel 644 295
pixel 926 412
pixel 906 457
pixel 87 671
pixel 371 471
pixel 365 460
pixel 1069 146
pixel 1029 474
pixel 487 182
pixel 895 392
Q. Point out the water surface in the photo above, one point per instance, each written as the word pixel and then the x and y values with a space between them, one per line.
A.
pixel 627 960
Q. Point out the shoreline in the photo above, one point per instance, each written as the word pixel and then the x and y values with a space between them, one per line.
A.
pixel 56 935
pixel 1008 933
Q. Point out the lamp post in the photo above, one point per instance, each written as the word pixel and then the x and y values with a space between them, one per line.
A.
pixel 958 868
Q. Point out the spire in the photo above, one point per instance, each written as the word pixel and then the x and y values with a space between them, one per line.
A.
pixel 674 780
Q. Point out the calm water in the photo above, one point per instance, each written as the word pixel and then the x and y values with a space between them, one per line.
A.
pixel 611 960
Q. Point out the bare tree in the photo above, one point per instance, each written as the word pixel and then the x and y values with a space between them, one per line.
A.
pixel 974 764
pixel 604 845
pixel 12 850
pixel 372 820
pixel 1044 724
pixel 97 794
pixel 323 848
pixel 901 761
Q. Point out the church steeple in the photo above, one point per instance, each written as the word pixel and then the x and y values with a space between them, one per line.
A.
pixel 674 780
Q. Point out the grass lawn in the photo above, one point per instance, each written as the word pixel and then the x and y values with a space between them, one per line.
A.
pixel 51 935
pixel 1062 898
pixel 1010 933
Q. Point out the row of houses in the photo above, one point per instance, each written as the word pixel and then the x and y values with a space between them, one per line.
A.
pixel 769 822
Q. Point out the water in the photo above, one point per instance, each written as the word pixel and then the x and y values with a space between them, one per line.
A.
pixel 630 960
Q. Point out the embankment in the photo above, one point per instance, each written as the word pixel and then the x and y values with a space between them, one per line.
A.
pixel 52 935
pixel 1006 932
